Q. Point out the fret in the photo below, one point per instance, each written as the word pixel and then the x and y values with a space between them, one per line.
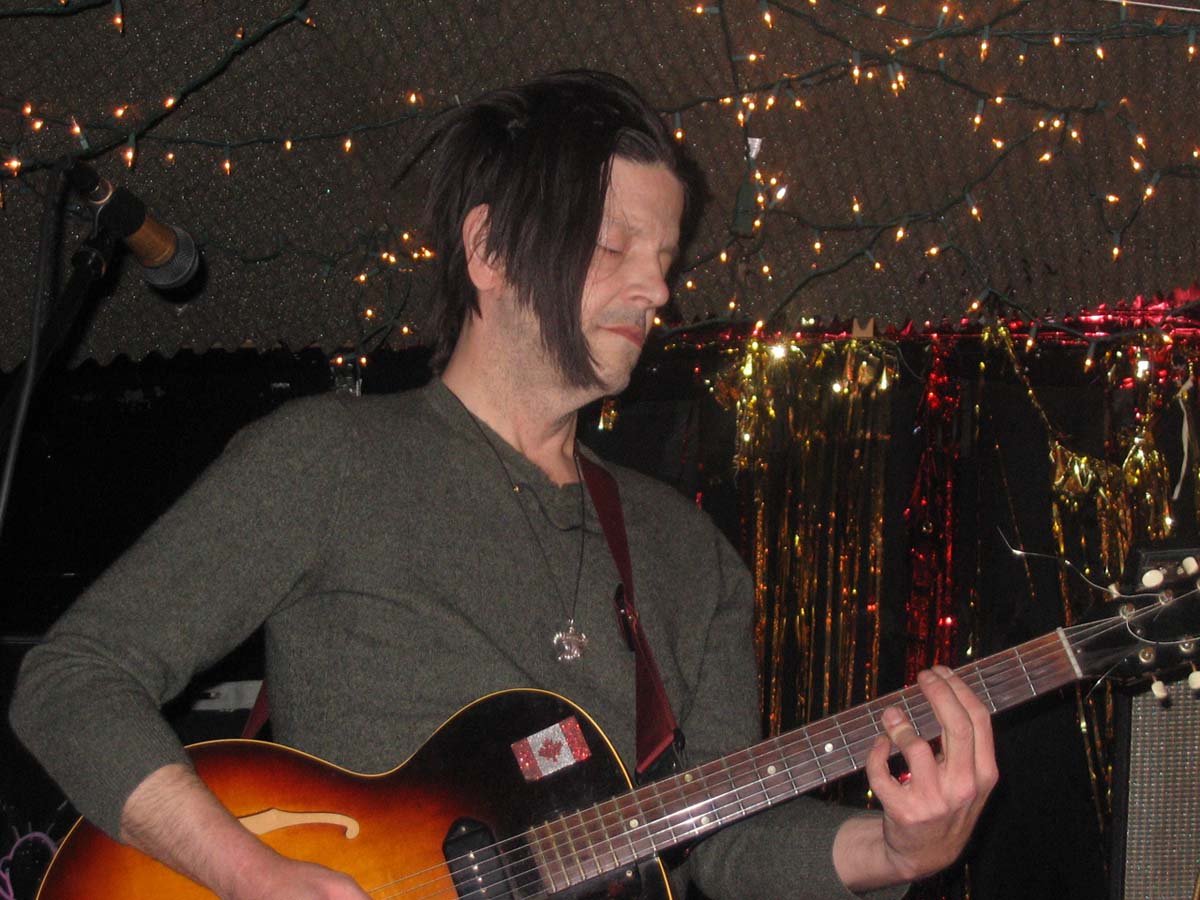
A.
pixel 837 721
pixel 700 821
pixel 786 763
pixel 987 694
pixel 771 757
pixel 572 849
pixel 908 709
pixel 1021 663
pixel 610 819
pixel 816 756
pixel 667 812
pixel 554 871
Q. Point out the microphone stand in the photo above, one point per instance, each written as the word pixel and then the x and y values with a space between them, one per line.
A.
pixel 88 263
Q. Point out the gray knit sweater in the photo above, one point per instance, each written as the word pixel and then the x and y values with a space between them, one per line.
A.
pixel 400 578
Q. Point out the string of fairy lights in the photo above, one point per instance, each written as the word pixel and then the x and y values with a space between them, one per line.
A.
pixel 919 43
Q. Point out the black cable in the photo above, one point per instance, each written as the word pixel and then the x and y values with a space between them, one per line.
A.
pixel 43 285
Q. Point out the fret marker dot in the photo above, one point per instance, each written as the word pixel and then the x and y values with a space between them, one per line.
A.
pixel 704 820
pixel 829 747
pixel 771 770
pixel 633 823
pixel 689 778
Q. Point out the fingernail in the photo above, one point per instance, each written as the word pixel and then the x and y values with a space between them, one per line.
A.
pixel 925 676
pixel 892 717
pixel 942 670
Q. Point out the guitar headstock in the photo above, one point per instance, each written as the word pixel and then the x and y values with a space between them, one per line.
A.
pixel 1150 622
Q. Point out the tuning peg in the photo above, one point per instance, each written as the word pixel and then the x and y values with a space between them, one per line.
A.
pixel 1159 690
pixel 1194 682
pixel 1190 567
pixel 1152 578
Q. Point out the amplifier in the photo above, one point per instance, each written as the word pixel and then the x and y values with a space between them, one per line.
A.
pixel 1156 796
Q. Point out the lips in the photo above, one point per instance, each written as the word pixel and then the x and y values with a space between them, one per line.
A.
pixel 631 333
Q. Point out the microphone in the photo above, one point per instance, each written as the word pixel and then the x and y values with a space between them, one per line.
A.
pixel 167 254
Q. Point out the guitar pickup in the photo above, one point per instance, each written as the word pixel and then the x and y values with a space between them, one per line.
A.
pixel 475 866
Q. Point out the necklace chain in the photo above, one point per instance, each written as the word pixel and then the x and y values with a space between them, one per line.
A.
pixel 568 641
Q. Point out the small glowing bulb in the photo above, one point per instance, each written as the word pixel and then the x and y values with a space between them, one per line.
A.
pixel 767 18
pixel 724 256
pixel 766 270
pixel 781 193
pixel 975 211
pixel 348 144
pixel 1149 191
pixel 983 49
pixel 999 143
pixel 977 120
pixel 170 157
pixel 1116 251
pixel 119 112
pixel 287 145
pixel 1141 141
pixel 778 351
pixel 13 165
pixel 881 9
pixel 1056 123
pixel 170 102
pixel 1136 163
pixel 129 155
pixel 690 285
pixel 817 246
pixel 855 72
pixel 338 360
pixel 733 304
pixel 900 234
pixel 361 278
pixel 878 266
pixel 37 124
pixel 1099 52
pixel 227 165
pixel 413 98
pixel 406 236
pixel 679 134
pixel 1046 157
pixel 1112 198
pixel 836 387
pixel 362 360
pixel 657 321
pixel 770 101
pixel 753 57
pixel 856 207
pixel 369 313
pixel 1191 52
pixel 27 109
pixel 1057 40
pixel 934 250
pixel 75 129
pixel 119 21
pixel 1075 134
pixel 758 223
pixel 999 100
pixel 404 329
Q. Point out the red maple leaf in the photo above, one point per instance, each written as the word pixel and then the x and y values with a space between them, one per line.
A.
pixel 550 749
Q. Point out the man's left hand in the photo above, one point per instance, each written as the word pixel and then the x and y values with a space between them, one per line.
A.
pixel 929 815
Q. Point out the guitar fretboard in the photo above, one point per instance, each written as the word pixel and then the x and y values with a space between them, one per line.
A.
pixel 620 832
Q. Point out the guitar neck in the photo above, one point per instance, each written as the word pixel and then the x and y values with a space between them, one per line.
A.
pixel 666 813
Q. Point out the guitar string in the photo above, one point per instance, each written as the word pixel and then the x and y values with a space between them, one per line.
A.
pixel 1048 642
pixel 1035 663
pixel 747 756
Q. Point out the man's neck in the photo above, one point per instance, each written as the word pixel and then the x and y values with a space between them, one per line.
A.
pixel 539 423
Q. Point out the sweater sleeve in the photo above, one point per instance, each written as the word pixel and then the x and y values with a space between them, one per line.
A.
pixel 194 586
pixel 785 852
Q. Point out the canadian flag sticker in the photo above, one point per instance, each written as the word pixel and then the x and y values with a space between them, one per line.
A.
pixel 557 747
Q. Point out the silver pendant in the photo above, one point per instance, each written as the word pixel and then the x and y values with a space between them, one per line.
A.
pixel 569 643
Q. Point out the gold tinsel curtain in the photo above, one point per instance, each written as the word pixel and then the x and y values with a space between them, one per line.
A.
pixel 813 422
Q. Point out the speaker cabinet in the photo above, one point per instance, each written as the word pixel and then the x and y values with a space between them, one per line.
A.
pixel 1156 797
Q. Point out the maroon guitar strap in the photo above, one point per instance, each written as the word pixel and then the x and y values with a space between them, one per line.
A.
pixel 259 713
pixel 657 730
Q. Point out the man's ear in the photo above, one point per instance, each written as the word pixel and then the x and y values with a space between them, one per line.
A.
pixel 487 274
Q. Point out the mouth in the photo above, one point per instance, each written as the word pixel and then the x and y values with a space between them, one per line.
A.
pixel 631 333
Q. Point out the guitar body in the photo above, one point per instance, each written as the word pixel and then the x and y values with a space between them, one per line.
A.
pixel 389 832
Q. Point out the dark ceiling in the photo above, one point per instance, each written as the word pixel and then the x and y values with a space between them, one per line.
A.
pixel 295 239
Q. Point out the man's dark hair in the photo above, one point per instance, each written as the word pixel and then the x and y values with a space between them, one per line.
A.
pixel 539 156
